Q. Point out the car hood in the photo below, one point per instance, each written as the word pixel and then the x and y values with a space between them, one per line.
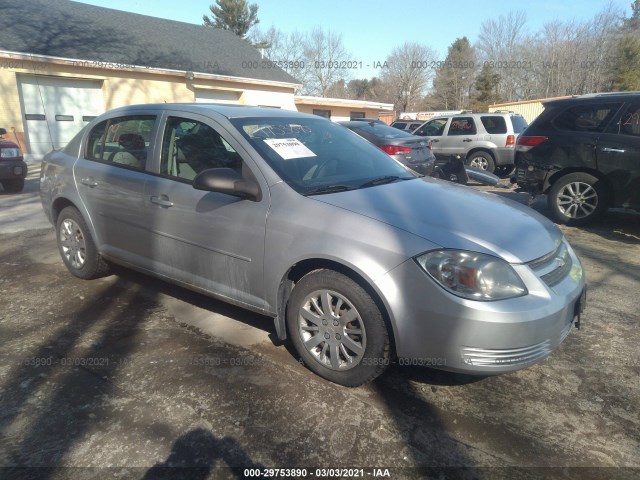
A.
pixel 455 216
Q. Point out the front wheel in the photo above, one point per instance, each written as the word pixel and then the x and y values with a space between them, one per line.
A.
pixel 577 199
pixel 77 248
pixel 482 160
pixel 337 328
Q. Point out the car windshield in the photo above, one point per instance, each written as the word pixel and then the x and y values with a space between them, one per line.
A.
pixel 381 131
pixel 317 156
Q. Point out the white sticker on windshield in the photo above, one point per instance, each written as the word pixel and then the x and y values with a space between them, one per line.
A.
pixel 289 148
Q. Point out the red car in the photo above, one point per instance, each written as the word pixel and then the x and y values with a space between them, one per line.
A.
pixel 13 170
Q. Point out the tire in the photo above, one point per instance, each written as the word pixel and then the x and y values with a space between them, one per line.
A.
pixel 482 160
pixel 577 199
pixel 319 334
pixel 76 246
pixel 13 186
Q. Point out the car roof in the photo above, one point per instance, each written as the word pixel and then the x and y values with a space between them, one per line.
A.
pixel 229 111
pixel 597 98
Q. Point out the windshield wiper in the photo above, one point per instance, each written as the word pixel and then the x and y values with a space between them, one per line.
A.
pixel 383 180
pixel 328 189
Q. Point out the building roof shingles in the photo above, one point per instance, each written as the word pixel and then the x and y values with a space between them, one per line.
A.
pixel 62 28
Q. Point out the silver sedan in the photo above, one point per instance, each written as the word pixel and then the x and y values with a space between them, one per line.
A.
pixel 359 260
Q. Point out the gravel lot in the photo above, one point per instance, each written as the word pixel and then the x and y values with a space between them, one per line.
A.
pixel 124 376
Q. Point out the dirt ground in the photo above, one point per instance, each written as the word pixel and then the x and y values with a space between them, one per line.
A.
pixel 124 376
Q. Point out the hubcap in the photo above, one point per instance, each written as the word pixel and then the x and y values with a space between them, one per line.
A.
pixel 577 200
pixel 332 330
pixel 479 162
pixel 74 248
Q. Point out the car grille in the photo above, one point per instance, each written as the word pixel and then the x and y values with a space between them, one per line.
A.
pixel 484 357
pixel 554 267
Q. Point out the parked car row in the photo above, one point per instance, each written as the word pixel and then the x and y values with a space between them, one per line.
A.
pixel 358 259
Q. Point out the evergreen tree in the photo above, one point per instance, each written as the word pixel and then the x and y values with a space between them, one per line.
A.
pixel 454 78
pixel 486 89
pixel 235 15
pixel 626 72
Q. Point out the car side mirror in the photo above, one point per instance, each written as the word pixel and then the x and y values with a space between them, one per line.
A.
pixel 229 181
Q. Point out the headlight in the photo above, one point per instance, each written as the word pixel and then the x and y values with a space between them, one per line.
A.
pixel 9 152
pixel 472 275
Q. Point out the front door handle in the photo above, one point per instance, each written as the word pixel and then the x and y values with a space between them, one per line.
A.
pixel 612 150
pixel 435 140
pixel 162 200
pixel 89 182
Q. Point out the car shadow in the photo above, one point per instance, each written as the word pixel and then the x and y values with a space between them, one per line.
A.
pixel 157 286
pixel 195 454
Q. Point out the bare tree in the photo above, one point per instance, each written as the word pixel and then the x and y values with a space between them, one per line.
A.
pixel 325 57
pixel 407 74
pixel 286 50
pixel 500 45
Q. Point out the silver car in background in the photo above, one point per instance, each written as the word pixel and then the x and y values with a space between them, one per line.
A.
pixel 485 140
pixel 358 259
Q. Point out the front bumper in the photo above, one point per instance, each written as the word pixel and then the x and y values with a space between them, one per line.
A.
pixel 435 328
pixel 12 169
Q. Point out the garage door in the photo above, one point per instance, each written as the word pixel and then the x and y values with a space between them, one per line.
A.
pixel 55 109
pixel 217 96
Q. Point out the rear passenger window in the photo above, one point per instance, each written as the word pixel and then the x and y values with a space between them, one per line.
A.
pixel 189 147
pixel 494 125
pixel 630 121
pixel 586 118
pixel 462 126
pixel 122 141
pixel 95 143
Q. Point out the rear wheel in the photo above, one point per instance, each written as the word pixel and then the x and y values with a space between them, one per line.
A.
pixel 577 199
pixel 76 246
pixel 481 160
pixel 337 328
pixel 13 186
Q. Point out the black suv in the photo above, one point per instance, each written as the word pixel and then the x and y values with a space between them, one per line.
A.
pixel 584 153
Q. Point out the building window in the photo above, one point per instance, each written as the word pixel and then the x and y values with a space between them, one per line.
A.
pixel 356 115
pixel 322 113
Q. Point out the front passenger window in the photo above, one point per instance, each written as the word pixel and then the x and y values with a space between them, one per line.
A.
pixel 189 147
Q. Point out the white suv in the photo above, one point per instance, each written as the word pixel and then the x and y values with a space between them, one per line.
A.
pixel 486 140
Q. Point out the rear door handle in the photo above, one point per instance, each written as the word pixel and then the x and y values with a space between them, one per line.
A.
pixel 162 200
pixel 89 182
pixel 435 140
pixel 466 140
pixel 612 150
